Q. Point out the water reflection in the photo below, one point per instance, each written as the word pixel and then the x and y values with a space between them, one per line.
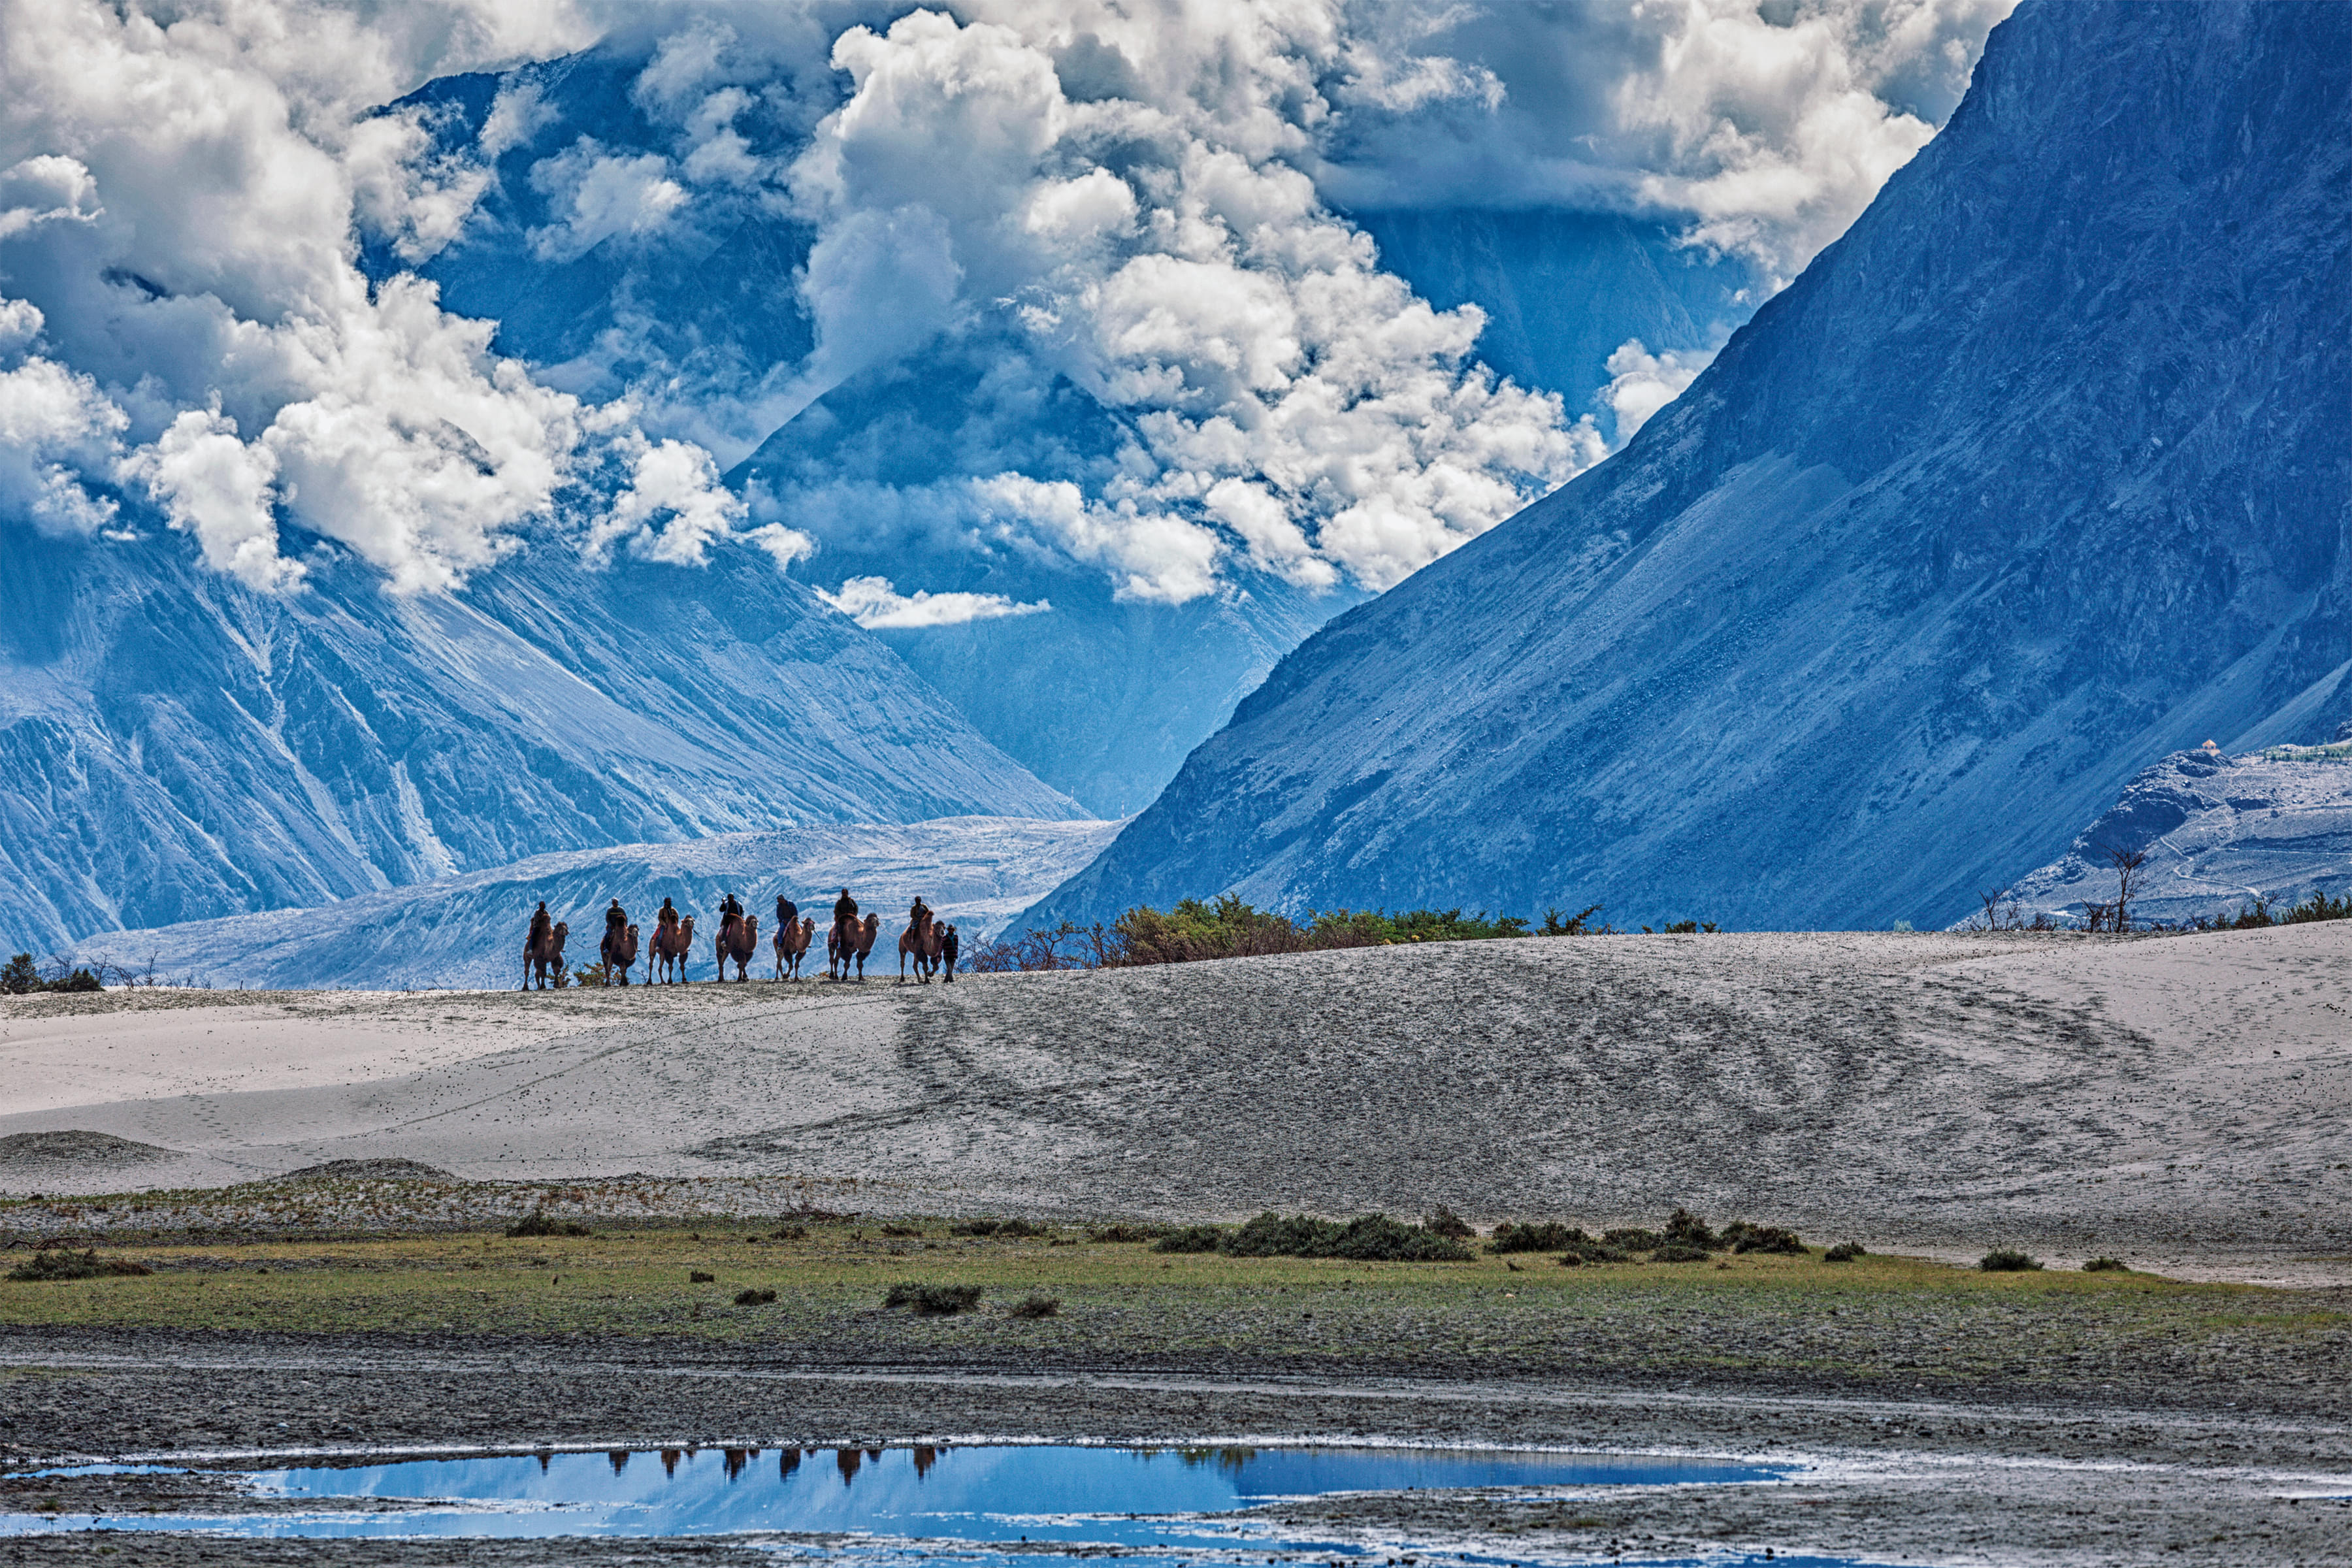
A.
pixel 1011 1496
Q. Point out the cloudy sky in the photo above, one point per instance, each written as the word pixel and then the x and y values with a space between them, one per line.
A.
pixel 1140 199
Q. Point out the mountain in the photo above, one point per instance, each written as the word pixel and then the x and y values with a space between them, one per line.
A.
pixel 2037 475
pixel 1101 695
pixel 467 931
pixel 173 746
pixel 2220 832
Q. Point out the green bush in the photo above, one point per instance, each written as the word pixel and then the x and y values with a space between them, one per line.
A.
pixel 1843 1252
pixel 754 1298
pixel 1684 1228
pixel 2105 1266
pixel 20 977
pixel 1597 1252
pixel 902 1230
pixel 933 1300
pixel 1035 1305
pixel 1632 1238
pixel 699 1277
pixel 1015 1228
pixel 2007 1260
pixel 60 1264
pixel 1742 1236
pixel 1550 1236
pixel 538 1224
pixel 1674 1252
pixel 1445 1222
pixel 1367 1238
pixel 1123 1233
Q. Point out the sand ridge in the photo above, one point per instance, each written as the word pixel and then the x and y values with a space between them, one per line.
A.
pixel 1935 1090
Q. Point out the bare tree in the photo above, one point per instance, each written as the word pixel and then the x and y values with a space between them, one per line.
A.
pixel 1991 909
pixel 2127 863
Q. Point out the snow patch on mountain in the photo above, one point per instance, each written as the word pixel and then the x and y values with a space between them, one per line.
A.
pixel 2219 832
pixel 465 932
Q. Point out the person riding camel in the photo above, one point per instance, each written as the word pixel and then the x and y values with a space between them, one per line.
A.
pixel 787 912
pixel 667 917
pixel 919 914
pixel 730 909
pixel 543 924
pixel 844 918
pixel 616 918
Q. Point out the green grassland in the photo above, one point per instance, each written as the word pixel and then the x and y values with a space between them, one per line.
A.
pixel 1878 1320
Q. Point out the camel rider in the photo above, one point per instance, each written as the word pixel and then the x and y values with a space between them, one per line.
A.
pixel 845 920
pixel 543 924
pixel 730 908
pixel 667 917
pixel 787 912
pixel 616 919
pixel 917 913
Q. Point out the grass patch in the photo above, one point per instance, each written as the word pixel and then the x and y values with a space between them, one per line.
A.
pixel 933 1300
pixel 2007 1260
pixel 699 1276
pixel 1012 1227
pixel 1123 1233
pixel 57 1263
pixel 755 1297
pixel 1843 1252
pixel 1037 1304
pixel 1874 1321
pixel 2106 1266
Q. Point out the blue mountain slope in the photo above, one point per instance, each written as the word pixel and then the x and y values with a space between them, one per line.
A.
pixel 1100 698
pixel 2038 474
pixel 174 747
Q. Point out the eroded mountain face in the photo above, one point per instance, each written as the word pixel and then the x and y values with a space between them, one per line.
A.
pixel 2036 476
pixel 177 747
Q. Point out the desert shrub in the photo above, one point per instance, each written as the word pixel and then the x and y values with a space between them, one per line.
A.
pixel 538 1224
pixel 1445 1222
pixel 902 1230
pixel 2320 907
pixel 79 980
pixel 1550 1236
pixel 696 1277
pixel 754 1298
pixel 2007 1260
pixel 2105 1266
pixel 60 1264
pixel 1675 1252
pixel 1037 1305
pixel 1369 1238
pixel 1190 1238
pixel 1366 1238
pixel 1843 1252
pixel 1567 1260
pixel 933 1300
pixel 1632 1238
pixel 1742 1236
pixel 1596 1252
pixel 1122 1233
pixel 789 1233
pixel 1557 924
pixel 1684 1228
pixel 989 1227
pixel 20 977
pixel 1690 927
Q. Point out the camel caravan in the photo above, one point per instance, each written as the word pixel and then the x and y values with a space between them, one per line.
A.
pixel 930 942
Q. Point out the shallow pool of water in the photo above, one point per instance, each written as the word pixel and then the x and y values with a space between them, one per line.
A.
pixel 1162 1504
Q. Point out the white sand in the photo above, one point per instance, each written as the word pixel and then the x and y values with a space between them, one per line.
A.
pixel 2186 1101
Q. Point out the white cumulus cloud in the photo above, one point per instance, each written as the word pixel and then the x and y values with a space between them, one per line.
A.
pixel 1642 383
pixel 873 603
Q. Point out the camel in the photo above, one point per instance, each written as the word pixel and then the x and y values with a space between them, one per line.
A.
pixel 925 939
pixel 544 956
pixel 672 946
pixel 619 951
pixel 737 939
pixel 841 955
pixel 792 939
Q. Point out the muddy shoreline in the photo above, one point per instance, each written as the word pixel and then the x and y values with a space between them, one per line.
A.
pixel 2229 1474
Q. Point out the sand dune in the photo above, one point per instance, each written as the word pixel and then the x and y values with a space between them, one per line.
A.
pixel 2187 1098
